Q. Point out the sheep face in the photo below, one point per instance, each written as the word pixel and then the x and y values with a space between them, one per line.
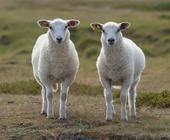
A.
pixel 58 28
pixel 111 31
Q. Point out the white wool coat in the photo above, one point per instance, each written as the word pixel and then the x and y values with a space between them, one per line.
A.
pixel 54 62
pixel 121 63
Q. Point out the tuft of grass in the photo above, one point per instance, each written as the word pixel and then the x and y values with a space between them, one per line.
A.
pixel 82 89
pixel 162 6
pixel 159 100
pixel 152 99
pixel 83 125
pixel 20 87
pixel 164 16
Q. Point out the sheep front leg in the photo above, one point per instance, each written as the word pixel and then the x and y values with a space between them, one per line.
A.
pixel 109 106
pixel 108 99
pixel 123 98
pixel 44 101
pixel 49 96
pixel 63 99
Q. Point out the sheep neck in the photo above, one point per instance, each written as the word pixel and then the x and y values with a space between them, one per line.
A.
pixel 54 46
pixel 59 50
pixel 116 54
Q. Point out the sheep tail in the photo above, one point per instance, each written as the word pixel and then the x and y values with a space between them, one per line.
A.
pixel 55 87
pixel 116 87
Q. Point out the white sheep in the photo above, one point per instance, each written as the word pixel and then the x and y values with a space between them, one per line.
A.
pixel 55 59
pixel 120 63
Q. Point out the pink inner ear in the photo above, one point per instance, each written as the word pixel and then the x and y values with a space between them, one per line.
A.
pixel 124 26
pixel 72 23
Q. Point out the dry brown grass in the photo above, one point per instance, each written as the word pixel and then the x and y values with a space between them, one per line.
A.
pixel 20 118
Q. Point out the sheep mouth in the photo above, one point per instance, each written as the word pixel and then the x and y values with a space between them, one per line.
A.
pixel 111 44
pixel 59 42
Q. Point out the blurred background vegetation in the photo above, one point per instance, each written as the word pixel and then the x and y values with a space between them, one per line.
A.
pixel 149 29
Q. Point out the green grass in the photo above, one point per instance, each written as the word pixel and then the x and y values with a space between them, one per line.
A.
pixel 30 87
pixel 88 46
pixel 150 35
pixel 133 5
pixel 152 5
pixel 20 87
pixel 160 100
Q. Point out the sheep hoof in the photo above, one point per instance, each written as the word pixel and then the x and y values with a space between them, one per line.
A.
pixel 62 119
pixel 50 117
pixel 108 120
pixel 44 113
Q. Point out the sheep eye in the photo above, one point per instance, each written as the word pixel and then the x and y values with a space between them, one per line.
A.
pixel 51 27
pixel 103 30
pixel 118 30
pixel 66 27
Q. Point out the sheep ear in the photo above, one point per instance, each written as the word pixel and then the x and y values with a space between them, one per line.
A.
pixel 96 26
pixel 43 23
pixel 72 23
pixel 124 25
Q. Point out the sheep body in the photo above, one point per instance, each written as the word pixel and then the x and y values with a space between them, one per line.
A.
pixel 120 64
pixel 54 61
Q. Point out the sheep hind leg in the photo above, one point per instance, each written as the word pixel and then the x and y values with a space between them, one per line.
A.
pixel 132 100
pixel 43 94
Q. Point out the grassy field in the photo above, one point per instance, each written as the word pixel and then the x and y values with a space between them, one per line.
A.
pixel 18 32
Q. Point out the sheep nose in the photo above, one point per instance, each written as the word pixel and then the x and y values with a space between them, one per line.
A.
pixel 59 39
pixel 111 41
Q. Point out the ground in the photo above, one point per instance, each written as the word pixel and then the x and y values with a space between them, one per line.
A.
pixel 20 100
pixel 21 119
